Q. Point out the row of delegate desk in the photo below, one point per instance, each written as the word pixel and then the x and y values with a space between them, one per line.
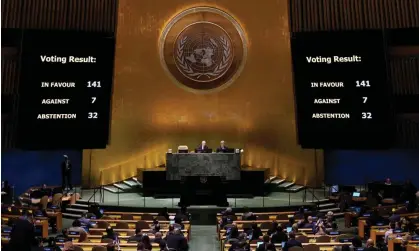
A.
pixel 377 232
pixel 279 217
pixel 116 218
pixel 40 222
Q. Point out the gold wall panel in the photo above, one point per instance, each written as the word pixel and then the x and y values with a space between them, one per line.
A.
pixel 151 114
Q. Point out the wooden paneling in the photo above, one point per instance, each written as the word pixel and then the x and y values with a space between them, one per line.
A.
pixel 316 15
pixel 404 75
pixel 407 131
pixel 86 15
pixel 9 78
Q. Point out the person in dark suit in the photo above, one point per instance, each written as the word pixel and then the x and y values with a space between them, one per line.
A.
pixel 137 237
pixel 45 191
pixel 66 173
pixel 279 236
pixel 267 245
pixel 22 236
pixel 158 238
pixel 370 246
pixel 222 148
pixel 256 232
pixel 177 241
pixel 202 148
pixel 292 242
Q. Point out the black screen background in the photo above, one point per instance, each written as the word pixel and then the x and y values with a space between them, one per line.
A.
pixel 353 133
pixel 82 133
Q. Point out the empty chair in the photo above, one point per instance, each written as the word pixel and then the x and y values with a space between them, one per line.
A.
pixel 95 232
pixel 121 225
pixel 161 218
pixel 263 217
pixel 266 225
pixel 44 202
pixel 296 248
pixel 15 211
pixel 147 217
pixel 127 217
pixel 102 224
pixel 247 226
pixel 142 225
pixel 282 217
pixel 302 239
pixel 323 238
pixel 99 248
pixel 129 233
pixel 56 200
pixel 106 240
pixel 77 248
pixel 311 247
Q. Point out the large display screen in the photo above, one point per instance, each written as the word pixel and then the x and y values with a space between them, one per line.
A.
pixel 341 89
pixel 65 90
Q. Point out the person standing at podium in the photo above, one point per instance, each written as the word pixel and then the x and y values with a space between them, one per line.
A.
pixel 203 148
pixel 222 148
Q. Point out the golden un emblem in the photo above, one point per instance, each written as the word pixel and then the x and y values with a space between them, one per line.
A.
pixel 203 49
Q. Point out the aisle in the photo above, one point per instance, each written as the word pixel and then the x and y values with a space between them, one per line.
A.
pixel 203 239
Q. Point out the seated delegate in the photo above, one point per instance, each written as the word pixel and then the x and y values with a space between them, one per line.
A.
pixel 203 148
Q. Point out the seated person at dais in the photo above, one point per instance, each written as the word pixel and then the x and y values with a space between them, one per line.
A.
pixel 203 148
pixel 222 148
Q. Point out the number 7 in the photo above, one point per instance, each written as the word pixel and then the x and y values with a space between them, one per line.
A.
pixel 365 99
pixel 93 99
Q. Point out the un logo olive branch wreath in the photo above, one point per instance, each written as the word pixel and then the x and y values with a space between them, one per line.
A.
pixel 219 69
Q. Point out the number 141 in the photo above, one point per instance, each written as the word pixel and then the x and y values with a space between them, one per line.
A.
pixel 363 83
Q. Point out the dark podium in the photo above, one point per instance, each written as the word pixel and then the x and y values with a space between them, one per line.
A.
pixel 203 176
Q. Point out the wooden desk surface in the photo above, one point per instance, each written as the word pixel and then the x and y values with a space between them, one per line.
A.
pixel 57 215
pixel 123 238
pixel 119 214
pixel 243 168
pixel 43 224
pixel 326 246
pixel 132 223
pixel 123 232
pixel 266 213
pixel 398 240
pixel 362 222
pixel 124 246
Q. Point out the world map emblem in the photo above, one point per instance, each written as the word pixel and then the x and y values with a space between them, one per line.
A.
pixel 203 53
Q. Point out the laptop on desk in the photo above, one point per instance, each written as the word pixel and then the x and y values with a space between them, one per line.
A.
pixel 356 194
